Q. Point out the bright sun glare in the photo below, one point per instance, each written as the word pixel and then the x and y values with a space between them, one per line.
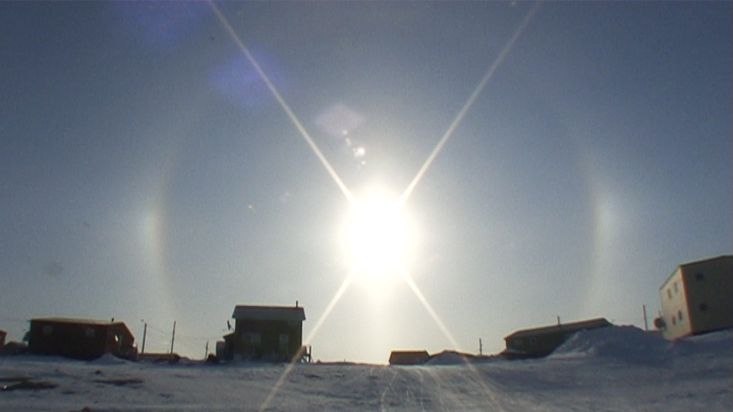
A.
pixel 379 238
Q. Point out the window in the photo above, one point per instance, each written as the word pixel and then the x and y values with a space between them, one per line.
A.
pixel 676 290
pixel 703 307
pixel 674 320
pixel 251 338
pixel 518 342
pixel 669 293
pixel 700 276
pixel 679 315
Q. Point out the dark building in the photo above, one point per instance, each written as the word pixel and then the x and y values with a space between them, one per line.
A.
pixel 271 333
pixel 80 338
pixel 408 357
pixel 538 342
pixel 2 338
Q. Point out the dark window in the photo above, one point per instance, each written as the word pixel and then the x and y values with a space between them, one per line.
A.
pixel 47 329
pixel 703 307
pixel 669 293
pixel 89 332
pixel 679 315
pixel 675 287
pixel 700 276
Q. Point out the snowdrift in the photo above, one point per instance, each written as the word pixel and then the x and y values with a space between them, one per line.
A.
pixel 633 345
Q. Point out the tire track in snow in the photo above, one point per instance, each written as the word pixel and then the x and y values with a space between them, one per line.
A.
pixel 386 390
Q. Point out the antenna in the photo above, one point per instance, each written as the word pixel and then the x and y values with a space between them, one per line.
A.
pixel 643 310
pixel 173 336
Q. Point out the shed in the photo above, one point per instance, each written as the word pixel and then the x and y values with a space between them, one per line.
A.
pixel 538 342
pixel 272 333
pixel 408 357
pixel 80 338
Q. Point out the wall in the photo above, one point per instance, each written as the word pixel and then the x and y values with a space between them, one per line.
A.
pixel 260 339
pixel 709 287
pixel 674 307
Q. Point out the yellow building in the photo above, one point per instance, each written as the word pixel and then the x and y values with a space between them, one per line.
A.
pixel 697 298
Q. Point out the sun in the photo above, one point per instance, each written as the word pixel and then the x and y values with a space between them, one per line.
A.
pixel 378 237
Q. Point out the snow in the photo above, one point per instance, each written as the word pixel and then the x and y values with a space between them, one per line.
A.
pixel 610 369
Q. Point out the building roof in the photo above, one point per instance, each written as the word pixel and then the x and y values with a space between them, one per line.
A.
pixel 563 327
pixel 289 313
pixel 696 262
pixel 90 322
pixel 706 260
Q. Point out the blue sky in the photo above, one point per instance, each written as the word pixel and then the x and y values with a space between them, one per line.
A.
pixel 147 172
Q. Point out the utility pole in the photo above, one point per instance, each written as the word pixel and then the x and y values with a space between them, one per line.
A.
pixel 480 347
pixel 558 320
pixel 145 333
pixel 206 351
pixel 646 325
pixel 173 337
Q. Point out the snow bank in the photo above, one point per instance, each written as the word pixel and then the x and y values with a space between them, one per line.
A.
pixel 631 344
pixel 108 359
pixel 449 357
pixel 624 343
pixel 708 344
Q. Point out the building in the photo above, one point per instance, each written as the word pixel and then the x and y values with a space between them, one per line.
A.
pixel 80 338
pixel 538 342
pixel 696 298
pixel 271 333
pixel 3 334
pixel 408 357
pixel 159 357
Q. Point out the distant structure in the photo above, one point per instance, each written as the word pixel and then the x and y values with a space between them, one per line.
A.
pixel 3 334
pixel 269 333
pixel 538 342
pixel 697 298
pixel 159 357
pixel 408 357
pixel 80 338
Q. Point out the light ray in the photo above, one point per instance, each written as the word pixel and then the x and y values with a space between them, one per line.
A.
pixel 471 99
pixel 429 308
pixel 344 285
pixel 288 369
pixel 276 94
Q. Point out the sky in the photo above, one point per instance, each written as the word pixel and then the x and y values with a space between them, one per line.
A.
pixel 149 174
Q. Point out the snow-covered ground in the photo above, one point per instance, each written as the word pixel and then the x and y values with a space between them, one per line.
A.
pixel 612 369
